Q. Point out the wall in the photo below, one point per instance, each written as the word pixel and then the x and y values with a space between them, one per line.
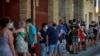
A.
pixel 88 7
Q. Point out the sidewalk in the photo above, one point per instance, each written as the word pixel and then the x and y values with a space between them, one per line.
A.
pixel 88 52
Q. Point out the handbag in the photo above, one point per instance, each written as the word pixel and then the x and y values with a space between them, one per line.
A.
pixel 34 46
pixel 26 38
pixel 60 39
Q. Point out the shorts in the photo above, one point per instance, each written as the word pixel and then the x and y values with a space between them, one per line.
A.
pixel 61 47
pixel 52 48
pixel 75 40
pixel 95 36
pixel 31 50
pixel 90 38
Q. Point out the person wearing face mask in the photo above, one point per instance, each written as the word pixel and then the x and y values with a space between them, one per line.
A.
pixel 62 28
pixel 43 39
pixel 53 35
pixel 32 43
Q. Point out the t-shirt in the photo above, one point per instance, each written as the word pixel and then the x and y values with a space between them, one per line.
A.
pixel 64 29
pixel 32 32
pixel 74 29
pixel 53 35
pixel 43 34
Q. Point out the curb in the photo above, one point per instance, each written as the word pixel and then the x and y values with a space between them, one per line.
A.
pixel 88 52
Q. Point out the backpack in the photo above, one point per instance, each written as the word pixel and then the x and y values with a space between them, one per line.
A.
pixel 74 30
pixel 91 32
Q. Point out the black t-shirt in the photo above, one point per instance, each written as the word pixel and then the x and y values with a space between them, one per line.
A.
pixel 43 34
pixel 95 30
pixel 74 29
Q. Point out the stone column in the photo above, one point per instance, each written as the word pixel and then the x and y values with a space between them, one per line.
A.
pixel 69 10
pixel 24 9
pixel 53 10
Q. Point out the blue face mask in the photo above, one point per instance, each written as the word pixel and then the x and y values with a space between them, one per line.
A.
pixel 11 25
pixel 46 27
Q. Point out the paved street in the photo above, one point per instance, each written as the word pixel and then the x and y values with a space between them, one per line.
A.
pixel 97 53
pixel 91 51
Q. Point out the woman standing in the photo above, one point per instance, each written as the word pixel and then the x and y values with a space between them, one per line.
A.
pixel 21 44
pixel 80 34
pixel 43 39
pixel 6 39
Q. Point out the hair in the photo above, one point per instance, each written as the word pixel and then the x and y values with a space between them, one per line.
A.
pixel 4 22
pixel 74 20
pixel 44 24
pixel 29 20
pixel 22 23
pixel 60 20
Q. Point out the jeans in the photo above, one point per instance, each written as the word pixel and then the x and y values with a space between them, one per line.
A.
pixel 43 49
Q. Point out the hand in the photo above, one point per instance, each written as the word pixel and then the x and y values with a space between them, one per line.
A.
pixel 32 45
pixel 41 38
pixel 14 54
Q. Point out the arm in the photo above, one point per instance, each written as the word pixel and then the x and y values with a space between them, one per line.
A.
pixel 11 43
pixel 47 40
pixel 78 33
pixel 33 32
pixel 16 31
pixel 39 34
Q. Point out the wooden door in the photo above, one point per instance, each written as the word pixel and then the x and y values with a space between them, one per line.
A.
pixel 10 9
pixel 41 17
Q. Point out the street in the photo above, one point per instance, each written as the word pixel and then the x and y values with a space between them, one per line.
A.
pixel 97 53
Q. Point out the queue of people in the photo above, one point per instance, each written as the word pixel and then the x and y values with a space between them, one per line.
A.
pixel 55 39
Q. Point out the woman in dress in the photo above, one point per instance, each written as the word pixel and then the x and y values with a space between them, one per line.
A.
pixel 6 39
pixel 21 44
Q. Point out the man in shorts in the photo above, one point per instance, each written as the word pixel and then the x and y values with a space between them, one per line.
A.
pixel 53 34
pixel 62 28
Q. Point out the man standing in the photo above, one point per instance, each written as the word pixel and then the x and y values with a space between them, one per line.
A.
pixel 32 37
pixel 99 31
pixel 62 39
pixel 74 31
pixel 53 34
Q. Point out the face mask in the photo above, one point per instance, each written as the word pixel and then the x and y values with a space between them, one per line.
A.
pixel 11 25
pixel 46 27
pixel 54 25
pixel 29 24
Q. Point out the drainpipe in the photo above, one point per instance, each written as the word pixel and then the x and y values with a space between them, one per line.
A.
pixel 32 11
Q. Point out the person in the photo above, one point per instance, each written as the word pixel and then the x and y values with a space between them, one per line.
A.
pixel 32 43
pixel 62 28
pixel 95 31
pixel 43 39
pixel 81 37
pixel 6 39
pixel 53 35
pixel 21 44
pixel 74 31
pixel 69 38
pixel 91 35
pixel 98 27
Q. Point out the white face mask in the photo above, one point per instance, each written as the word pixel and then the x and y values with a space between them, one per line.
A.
pixel 29 24
pixel 11 25
pixel 46 27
